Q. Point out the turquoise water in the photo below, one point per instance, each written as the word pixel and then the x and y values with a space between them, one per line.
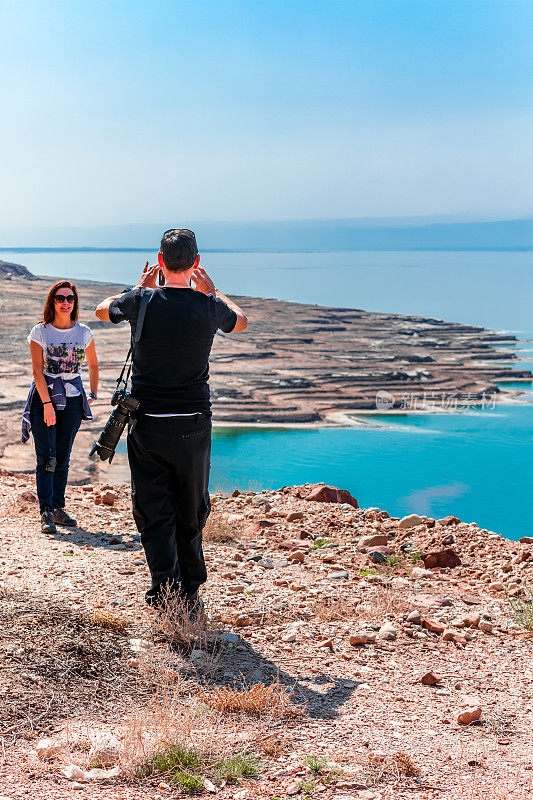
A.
pixel 477 466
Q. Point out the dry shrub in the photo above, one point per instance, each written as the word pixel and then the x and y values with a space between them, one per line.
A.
pixel 381 601
pixel 175 623
pixel 273 745
pixel 259 700
pixel 334 609
pixel 394 766
pixel 218 529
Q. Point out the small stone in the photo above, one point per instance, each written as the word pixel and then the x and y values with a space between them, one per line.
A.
pixel 410 521
pixel 292 516
pixel 74 773
pixel 338 575
pixel 297 556
pixel 468 715
pixel 450 520
pixel 27 496
pixel 419 572
pixel 326 643
pixel 430 679
pixel 526 540
pixel 497 586
pixel 243 620
pixel 358 639
pixel 372 541
pixel 47 748
pixel 485 625
pixel 289 637
pixel 415 618
pixel 376 557
pixel 441 558
pixel 387 632
pixel 433 625
pixel 450 635
pixel 105 750
pixel 293 787
pixel 329 494
pixel 260 500
pixel 108 498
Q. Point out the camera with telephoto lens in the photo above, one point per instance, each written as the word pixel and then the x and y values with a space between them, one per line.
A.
pixel 119 417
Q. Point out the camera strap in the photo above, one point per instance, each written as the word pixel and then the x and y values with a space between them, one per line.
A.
pixel 141 304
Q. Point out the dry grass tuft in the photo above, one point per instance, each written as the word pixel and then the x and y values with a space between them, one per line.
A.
pixel 218 529
pixel 381 601
pixel 110 620
pixel 259 700
pixel 334 609
pixel 175 623
pixel 394 766
pixel 522 610
pixel 273 745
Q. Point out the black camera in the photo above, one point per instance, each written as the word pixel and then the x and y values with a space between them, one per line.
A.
pixel 119 417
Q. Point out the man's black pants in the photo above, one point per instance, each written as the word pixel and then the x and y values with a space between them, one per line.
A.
pixel 169 461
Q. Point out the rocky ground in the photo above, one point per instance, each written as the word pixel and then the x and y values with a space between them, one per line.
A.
pixel 296 364
pixel 349 653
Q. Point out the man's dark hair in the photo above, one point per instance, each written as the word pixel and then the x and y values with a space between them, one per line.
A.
pixel 179 249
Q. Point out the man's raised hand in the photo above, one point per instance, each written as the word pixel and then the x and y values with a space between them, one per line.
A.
pixel 149 276
pixel 202 281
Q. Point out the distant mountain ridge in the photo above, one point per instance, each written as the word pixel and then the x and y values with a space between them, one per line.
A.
pixel 291 236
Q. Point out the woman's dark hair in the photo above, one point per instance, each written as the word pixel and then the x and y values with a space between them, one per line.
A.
pixel 49 311
pixel 179 249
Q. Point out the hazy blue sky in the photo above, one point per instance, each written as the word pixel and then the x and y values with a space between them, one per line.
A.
pixel 138 111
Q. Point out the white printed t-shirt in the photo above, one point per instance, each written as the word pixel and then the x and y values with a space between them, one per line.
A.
pixel 63 350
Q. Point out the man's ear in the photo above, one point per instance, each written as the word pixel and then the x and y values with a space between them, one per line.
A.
pixel 160 259
pixel 196 261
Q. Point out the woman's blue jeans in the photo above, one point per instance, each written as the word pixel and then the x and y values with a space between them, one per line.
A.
pixel 54 441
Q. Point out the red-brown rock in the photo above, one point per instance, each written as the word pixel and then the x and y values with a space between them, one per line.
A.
pixel 451 520
pixel 329 494
pixel 108 497
pixel 433 625
pixel 430 679
pixel 441 558
pixel 257 527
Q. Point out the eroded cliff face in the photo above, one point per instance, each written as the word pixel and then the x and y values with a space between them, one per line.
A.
pixel 296 364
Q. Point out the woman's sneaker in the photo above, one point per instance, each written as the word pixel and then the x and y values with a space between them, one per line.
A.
pixel 47 521
pixel 62 518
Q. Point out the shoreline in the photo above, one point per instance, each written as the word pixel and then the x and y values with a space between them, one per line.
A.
pixel 297 367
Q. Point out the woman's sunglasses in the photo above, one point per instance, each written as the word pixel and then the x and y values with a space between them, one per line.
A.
pixel 64 298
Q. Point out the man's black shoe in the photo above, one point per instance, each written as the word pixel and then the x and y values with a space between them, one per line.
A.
pixel 194 606
pixel 47 521
pixel 62 518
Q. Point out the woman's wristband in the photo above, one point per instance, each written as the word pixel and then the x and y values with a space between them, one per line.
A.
pixel 46 403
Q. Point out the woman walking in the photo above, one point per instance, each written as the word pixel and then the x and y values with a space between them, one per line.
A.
pixel 57 402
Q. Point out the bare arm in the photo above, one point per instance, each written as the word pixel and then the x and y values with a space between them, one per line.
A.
pixel 37 363
pixel 148 278
pixel 203 283
pixel 92 363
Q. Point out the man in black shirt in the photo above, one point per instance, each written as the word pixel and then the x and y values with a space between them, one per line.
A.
pixel 169 447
